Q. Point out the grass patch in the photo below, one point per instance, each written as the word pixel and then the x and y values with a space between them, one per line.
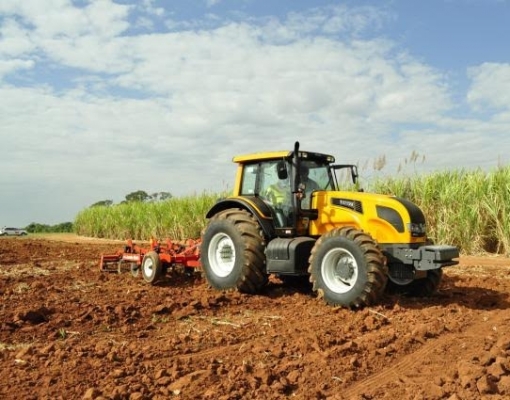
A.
pixel 13 346
pixel 22 288
pixel 22 270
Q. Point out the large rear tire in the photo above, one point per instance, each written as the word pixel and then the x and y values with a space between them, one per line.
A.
pixel 232 252
pixel 347 268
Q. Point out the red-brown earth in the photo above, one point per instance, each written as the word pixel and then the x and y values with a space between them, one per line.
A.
pixel 69 331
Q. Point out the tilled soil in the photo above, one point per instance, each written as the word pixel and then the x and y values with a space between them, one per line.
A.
pixel 69 331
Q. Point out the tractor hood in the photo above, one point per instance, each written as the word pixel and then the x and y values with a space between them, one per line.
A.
pixel 390 219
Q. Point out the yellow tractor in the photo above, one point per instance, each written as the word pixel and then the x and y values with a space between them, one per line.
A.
pixel 288 217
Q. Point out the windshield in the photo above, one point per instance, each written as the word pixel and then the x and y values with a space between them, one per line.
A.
pixel 316 174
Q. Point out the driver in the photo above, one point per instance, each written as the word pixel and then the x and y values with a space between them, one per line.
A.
pixel 278 193
pixel 310 185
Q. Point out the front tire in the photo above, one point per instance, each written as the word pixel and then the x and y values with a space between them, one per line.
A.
pixel 347 268
pixel 232 252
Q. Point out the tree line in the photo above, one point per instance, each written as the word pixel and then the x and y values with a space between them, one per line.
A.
pixel 67 227
pixel 140 196
pixel 64 227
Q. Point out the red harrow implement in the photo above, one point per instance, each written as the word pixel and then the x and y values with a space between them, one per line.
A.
pixel 155 260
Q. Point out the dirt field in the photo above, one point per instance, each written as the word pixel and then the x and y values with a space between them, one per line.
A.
pixel 69 331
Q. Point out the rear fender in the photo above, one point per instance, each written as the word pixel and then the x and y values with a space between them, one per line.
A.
pixel 254 205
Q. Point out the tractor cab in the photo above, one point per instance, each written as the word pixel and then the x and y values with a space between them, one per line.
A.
pixel 285 182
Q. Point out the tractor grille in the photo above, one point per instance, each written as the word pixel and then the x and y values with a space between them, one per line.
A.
pixel 401 271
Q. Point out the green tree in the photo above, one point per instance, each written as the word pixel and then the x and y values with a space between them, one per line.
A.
pixel 103 203
pixel 139 196
pixel 63 227
pixel 37 228
pixel 44 228
pixel 165 196
pixel 160 196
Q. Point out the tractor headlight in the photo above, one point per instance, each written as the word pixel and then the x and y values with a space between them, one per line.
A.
pixel 416 229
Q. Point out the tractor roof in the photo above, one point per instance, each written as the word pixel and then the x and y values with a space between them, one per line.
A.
pixel 276 155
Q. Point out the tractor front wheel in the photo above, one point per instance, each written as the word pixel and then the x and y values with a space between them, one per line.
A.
pixel 347 268
pixel 232 252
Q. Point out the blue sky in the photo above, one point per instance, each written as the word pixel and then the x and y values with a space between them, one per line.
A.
pixel 102 98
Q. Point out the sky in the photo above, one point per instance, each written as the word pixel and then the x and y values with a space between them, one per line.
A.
pixel 102 98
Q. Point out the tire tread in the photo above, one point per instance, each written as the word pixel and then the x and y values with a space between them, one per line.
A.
pixel 377 270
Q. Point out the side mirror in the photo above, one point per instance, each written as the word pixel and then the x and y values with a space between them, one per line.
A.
pixel 354 173
pixel 281 170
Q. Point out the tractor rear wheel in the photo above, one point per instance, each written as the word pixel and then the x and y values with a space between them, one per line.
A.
pixel 152 269
pixel 232 252
pixel 347 268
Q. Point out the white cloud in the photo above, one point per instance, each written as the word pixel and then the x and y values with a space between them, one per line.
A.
pixel 490 87
pixel 75 37
pixel 211 3
pixel 338 19
pixel 60 18
pixel 111 113
pixel 149 8
pixel 9 66
pixel 14 40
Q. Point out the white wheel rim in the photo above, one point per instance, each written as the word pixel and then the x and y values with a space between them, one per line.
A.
pixel 222 255
pixel 339 270
pixel 148 267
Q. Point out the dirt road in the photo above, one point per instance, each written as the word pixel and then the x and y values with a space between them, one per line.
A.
pixel 68 331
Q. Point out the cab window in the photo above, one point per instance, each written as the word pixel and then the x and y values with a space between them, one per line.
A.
pixel 249 179
pixel 258 177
